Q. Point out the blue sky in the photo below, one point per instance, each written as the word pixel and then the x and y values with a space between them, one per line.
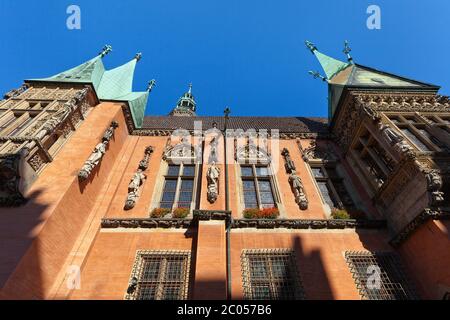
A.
pixel 248 55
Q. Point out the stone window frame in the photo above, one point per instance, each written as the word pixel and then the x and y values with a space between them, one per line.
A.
pixel 414 122
pixel 179 179
pixel 394 279
pixel 368 151
pixel 292 282
pixel 255 178
pixel 163 256
pixel 319 164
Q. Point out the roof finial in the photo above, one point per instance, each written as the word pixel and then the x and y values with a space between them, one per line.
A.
pixel 227 112
pixel 106 49
pixel 311 46
pixel 151 84
pixel 190 88
pixel 138 56
pixel 347 51
pixel 316 75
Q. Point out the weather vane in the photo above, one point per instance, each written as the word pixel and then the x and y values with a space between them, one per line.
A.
pixel 310 46
pixel 347 51
pixel 106 49
pixel 151 84
pixel 317 75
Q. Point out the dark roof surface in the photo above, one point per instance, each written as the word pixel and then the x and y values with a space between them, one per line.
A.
pixel 284 124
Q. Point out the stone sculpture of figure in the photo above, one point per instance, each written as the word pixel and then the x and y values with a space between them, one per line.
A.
pixel 289 165
pixel 212 176
pixel 390 135
pixel 434 180
pixel 213 152
pixel 133 189
pixel 92 161
pixel 434 185
pixel 299 192
pixel 110 131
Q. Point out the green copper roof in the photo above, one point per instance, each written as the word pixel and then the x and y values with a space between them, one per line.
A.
pixel 330 65
pixel 88 72
pixel 117 82
pixel 112 85
pixel 137 102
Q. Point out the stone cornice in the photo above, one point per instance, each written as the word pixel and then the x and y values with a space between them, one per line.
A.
pixel 151 223
pixel 419 220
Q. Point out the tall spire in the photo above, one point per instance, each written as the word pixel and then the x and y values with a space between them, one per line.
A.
pixel 186 105
pixel 330 65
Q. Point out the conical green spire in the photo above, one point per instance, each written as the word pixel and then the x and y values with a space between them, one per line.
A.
pixel 330 65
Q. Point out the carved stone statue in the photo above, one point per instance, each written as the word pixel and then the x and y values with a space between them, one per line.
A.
pixel 133 189
pixel 92 161
pixel 390 135
pixel 212 176
pixel 137 180
pixel 298 189
pixel 434 185
pixel 213 153
pixel 98 153
pixel 295 181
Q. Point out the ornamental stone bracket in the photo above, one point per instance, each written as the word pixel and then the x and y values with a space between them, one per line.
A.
pixel 295 181
pixel 98 153
pixel 138 180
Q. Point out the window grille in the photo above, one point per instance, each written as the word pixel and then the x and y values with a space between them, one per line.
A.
pixel 270 274
pixel 160 275
pixel 394 283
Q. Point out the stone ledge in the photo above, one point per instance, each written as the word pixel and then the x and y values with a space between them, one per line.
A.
pixel 152 223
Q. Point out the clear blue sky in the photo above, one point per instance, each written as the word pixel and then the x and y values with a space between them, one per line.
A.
pixel 248 54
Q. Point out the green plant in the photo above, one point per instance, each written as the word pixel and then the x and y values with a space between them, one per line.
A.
pixel 251 213
pixel 180 213
pixel 267 213
pixel 159 212
pixel 340 214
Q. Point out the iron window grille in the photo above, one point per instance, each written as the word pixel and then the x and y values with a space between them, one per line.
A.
pixel 270 274
pixel 160 275
pixel 394 283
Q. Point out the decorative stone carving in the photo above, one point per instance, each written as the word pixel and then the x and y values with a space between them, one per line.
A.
pixel 98 153
pixel 396 140
pixel 434 185
pixel 10 195
pixel 316 152
pixel 212 176
pixel 295 181
pixel 137 180
pixel 16 92
pixel 213 150
pixel 181 151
